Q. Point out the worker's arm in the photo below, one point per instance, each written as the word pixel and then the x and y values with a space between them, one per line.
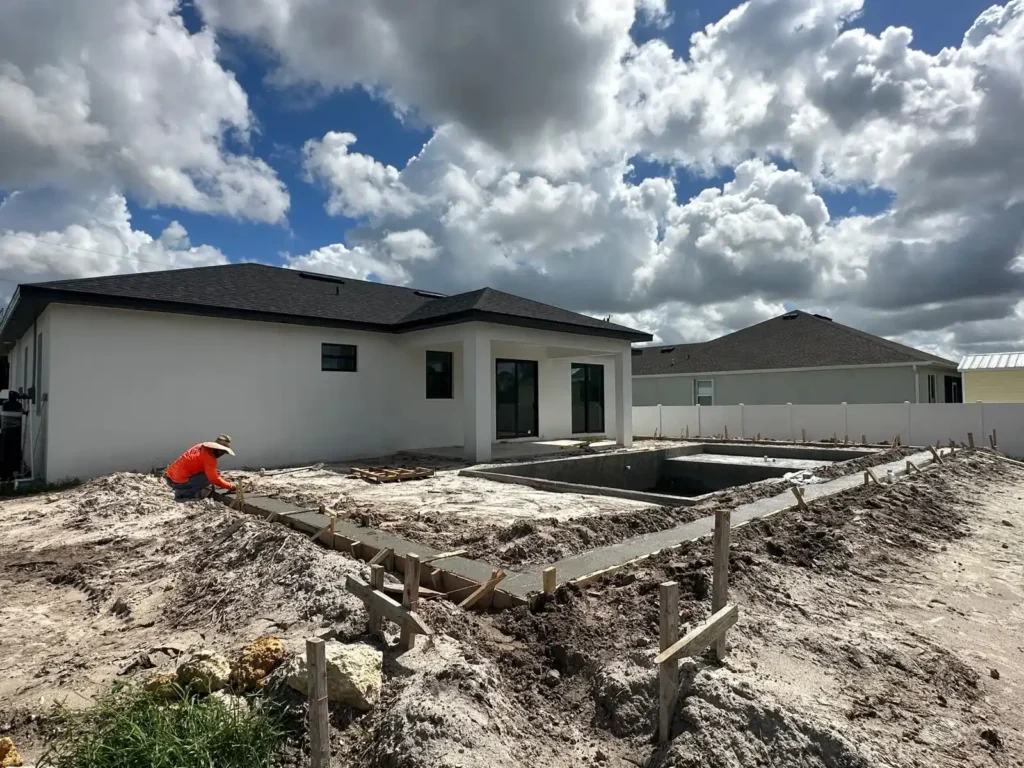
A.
pixel 210 470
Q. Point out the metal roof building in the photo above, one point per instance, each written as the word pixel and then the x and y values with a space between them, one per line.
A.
pixel 994 378
pixel 1002 361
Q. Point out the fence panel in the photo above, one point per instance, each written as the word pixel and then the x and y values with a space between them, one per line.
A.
pixel 715 418
pixel 679 420
pixel 645 420
pixel 1007 419
pixel 944 422
pixel 879 422
pixel 819 422
pixel 770 421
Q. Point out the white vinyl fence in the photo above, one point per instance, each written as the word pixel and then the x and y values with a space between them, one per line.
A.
pixel 915 423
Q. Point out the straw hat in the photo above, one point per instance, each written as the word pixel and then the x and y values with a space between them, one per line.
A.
pixel 222 443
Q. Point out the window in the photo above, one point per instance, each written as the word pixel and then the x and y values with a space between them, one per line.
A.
pixel 931 387
pixel 587 383
pixel 439 375
pixel 338 357
pixel 704 391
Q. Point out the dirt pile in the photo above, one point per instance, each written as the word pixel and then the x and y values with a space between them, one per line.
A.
pixel 238 572
pixel 723 722
pixel 120 496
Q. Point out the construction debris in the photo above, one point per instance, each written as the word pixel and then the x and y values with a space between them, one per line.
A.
pixel 391 475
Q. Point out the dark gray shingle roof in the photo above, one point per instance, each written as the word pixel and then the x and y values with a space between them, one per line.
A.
pixel 275 293
pixel 794 340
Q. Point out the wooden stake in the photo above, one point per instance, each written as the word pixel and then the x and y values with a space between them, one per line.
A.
pixel 864 439
pixel 800 504
pixel 319 725
pixel 376 583
pixel 869 473
pixel 687 431
pixel 846 439
pixel 726 431
pixel 970 439
pixel 410 598
pixel 803 435
pixel 720 570
pixel 935 455
pixel 390 609
pixel 549 581
pixel 912 468
pixel 668 672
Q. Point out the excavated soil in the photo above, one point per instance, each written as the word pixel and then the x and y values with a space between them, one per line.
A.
pixel 881 627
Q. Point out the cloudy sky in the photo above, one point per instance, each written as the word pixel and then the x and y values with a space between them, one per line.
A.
pixel 687 167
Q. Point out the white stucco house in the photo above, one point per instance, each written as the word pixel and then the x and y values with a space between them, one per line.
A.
pixel 124 372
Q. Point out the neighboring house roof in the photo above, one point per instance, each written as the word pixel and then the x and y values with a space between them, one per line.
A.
pixel 276 294
pixel 1002 361
pixel 793 340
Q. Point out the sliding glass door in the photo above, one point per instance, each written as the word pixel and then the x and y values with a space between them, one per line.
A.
pixel 515 397
pixel 587 398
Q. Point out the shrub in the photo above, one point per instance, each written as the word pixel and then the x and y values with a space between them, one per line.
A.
pixel 134 728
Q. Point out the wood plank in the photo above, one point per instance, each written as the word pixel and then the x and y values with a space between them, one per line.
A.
pixel 381 556
pixel 720 569
pixel 410 598
pixel 912 468
pixel 935 455
pixel 668 672
pixel 319 724
pixel 483 590
pixel 970 439
pixel 701 637
pixel 445 555
pixel 871 474
pixel 392 610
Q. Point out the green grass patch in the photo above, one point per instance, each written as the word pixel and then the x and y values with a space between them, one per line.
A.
pixel 8 490
pixel 133 728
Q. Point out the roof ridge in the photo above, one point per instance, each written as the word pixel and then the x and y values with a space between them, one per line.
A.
pixel 905 349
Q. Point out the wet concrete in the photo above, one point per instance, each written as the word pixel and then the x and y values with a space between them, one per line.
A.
pixel 617 555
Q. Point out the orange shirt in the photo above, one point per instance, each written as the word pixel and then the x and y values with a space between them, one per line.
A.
pixel 197 459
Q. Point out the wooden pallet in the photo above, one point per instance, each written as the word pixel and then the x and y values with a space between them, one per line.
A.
pixel 391 475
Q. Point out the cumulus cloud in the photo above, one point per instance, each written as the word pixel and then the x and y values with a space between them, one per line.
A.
pixel 56 236
pixel 117 93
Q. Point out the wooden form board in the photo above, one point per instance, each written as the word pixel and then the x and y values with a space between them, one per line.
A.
pixel 701 636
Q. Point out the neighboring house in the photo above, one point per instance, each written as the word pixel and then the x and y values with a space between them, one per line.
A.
pixel 796 358
pixel 129 370
pixel 996 378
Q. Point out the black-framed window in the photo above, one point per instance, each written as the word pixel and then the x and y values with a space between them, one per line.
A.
pixel 587 383
pixel 440 368
pixel 338 357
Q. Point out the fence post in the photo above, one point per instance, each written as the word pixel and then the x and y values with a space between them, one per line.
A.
pixel 661 424
pixel 668 672
pixel 981 431
pixel 909 441
pixel 319 725
pixel 699 431
pixel 846 419
pixel 743 429
pixel 792 435
pixel 720 571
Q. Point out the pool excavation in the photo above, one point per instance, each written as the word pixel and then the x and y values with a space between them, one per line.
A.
pixel 679 476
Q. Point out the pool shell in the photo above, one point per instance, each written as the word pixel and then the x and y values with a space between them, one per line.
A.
pixel 646 475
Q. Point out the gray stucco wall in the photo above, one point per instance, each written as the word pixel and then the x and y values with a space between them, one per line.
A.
pixel 850 385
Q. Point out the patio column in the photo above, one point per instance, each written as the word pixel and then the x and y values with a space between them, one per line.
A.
pixel 478 391
pixel 624 397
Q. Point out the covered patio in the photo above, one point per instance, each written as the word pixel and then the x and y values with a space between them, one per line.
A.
pixel 513 391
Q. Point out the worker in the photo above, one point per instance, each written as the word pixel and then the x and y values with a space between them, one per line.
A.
pixel 194 472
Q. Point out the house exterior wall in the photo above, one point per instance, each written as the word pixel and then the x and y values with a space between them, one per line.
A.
pixel 810 387
pixel 130 390
pixel 27 371
pixel 994 386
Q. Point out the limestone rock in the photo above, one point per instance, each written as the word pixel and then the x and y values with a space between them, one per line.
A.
pixel 237 705
pixel 161 683
pixel 204 672
pixel 255 662
pixel 9 755
pixel 353 674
